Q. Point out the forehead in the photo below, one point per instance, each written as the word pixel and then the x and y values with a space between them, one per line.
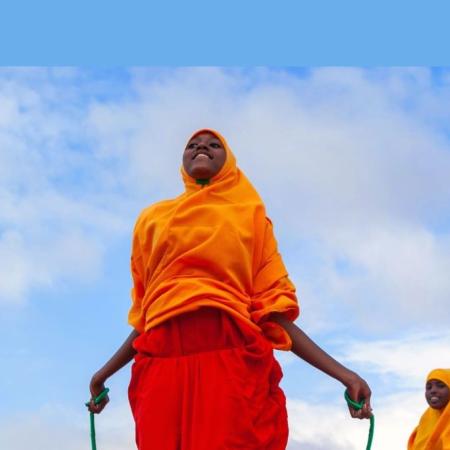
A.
pixel 204 135
pixel 435 380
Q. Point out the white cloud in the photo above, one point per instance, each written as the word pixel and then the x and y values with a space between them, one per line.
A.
pixel 405 362
pixel 350 161
pixel 378 278
pixel 57 208
pixel 13 281
pixel 56 427
pixel 330 427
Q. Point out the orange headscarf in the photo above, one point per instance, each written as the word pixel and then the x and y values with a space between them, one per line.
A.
pixel 211 246
pixel 433 431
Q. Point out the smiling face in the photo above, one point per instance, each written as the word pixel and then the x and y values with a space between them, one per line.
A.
pixel 437 393
pixel 204 156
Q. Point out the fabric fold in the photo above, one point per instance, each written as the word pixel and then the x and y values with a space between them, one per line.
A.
pixel 192 393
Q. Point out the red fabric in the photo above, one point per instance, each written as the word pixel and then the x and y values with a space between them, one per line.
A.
pixel 202 381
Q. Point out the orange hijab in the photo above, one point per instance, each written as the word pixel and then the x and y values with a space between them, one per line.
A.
pixel 433 431
pixel 211 246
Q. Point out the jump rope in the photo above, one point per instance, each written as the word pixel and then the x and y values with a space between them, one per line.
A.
pixel 355 405
pixel 97 400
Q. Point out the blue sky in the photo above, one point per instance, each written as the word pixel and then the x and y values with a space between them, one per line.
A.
pixel 251 33
pixel 353 165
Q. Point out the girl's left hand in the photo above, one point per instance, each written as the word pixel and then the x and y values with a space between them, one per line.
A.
pixel 359 390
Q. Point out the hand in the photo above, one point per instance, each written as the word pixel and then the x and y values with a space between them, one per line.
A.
pixel 359 390
pixel 96 386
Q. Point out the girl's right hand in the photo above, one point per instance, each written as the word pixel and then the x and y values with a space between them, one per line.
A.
pixel 122 357
pixel 96 387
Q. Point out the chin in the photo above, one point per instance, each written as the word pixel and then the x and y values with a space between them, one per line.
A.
pixel 438 407
pixel 206 174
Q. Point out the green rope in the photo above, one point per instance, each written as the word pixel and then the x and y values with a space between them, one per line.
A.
pixel 97 400
pixel 358 406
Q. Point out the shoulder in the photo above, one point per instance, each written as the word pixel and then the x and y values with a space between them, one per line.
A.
pixel 154 212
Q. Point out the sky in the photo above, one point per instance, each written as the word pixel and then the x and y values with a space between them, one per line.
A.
pixel 354 167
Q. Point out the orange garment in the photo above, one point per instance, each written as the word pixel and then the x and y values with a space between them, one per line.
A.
pixel 211 246
pixel 219 393
pixel 433 431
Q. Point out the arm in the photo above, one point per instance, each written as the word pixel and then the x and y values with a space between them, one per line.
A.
pixel 310 352
pixel 121 358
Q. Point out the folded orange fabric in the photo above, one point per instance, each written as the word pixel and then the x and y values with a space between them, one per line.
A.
pixel 211 246
pixel 433 431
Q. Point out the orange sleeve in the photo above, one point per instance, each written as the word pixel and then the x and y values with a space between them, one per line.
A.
pixel 136 316
pixel 273 292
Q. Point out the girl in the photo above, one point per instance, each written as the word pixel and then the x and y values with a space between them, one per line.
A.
pixel 433 431
pixel 211 299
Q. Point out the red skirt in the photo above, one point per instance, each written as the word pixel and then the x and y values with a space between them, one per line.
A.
pixel 203 381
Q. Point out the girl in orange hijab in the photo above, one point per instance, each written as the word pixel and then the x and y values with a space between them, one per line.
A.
pixel 211 298
pixel 433 431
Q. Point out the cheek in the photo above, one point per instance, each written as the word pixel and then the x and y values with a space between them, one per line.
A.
pixel 185 159
pixel 220 158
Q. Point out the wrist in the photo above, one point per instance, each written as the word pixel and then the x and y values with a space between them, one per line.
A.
pixel 99 378
pixel 348 378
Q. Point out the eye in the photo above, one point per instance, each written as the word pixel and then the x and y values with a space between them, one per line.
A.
pixel 215 145
pixel 440 384
pixel 191 145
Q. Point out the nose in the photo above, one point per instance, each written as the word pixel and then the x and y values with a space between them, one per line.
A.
pixel 433 390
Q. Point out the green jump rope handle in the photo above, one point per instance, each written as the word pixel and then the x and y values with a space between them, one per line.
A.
pixel 358 406
pixel 97 400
